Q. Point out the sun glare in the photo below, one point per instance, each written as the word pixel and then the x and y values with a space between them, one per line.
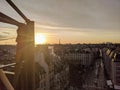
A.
pixel 40 39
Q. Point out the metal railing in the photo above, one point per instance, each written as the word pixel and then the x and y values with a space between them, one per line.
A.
pixel 7 65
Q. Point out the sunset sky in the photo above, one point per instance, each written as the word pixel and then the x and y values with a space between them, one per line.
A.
pixel 71 21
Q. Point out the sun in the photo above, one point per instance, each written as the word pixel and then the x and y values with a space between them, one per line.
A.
pixel 40 38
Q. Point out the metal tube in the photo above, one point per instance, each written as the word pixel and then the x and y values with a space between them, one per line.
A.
pixel 6 19
pixel 17 10
pixel 7 65
pixel 5 81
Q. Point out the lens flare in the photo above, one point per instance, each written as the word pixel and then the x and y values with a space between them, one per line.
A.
pixel 40 38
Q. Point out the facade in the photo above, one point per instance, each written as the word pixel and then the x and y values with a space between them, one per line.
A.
pixel 7 54
pixel 112 67
pixel 116 71
pixel 7 57
pixel 81 58
pixel 79 61
pixel 55 75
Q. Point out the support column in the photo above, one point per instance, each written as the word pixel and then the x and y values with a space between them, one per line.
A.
pixel 24 70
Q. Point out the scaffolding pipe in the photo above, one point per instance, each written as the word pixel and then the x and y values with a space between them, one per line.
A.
pixel 17 10
pixel 7 65
pixel 5 80
pixel 6 19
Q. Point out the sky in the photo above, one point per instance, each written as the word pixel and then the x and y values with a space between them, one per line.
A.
pixel 71 21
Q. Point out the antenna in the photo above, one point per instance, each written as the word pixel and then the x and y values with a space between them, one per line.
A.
pixel 59 41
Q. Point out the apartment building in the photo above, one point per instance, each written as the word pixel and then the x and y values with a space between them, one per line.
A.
pixel 112 66
pixel 55 75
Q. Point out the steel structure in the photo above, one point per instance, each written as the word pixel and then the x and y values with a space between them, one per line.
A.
pixel 24 68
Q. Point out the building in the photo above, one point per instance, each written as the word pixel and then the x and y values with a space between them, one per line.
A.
pixel 111 59
pixel 83 58
pixel 54 75
pixel 116 70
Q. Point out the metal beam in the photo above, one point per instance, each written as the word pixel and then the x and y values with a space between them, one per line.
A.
pixel 5 81
pixel 17 10
pixel 6 19
pixel 7 65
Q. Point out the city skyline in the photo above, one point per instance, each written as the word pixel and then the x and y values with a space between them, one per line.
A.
pixel 78 21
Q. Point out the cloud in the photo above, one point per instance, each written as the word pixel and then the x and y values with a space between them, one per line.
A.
pixel 90 14
pixel 1 36
pixel 6 33
pixel 59 28
pixel 3 39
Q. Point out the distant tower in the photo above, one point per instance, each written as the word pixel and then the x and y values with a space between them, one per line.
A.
pixel 59 42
